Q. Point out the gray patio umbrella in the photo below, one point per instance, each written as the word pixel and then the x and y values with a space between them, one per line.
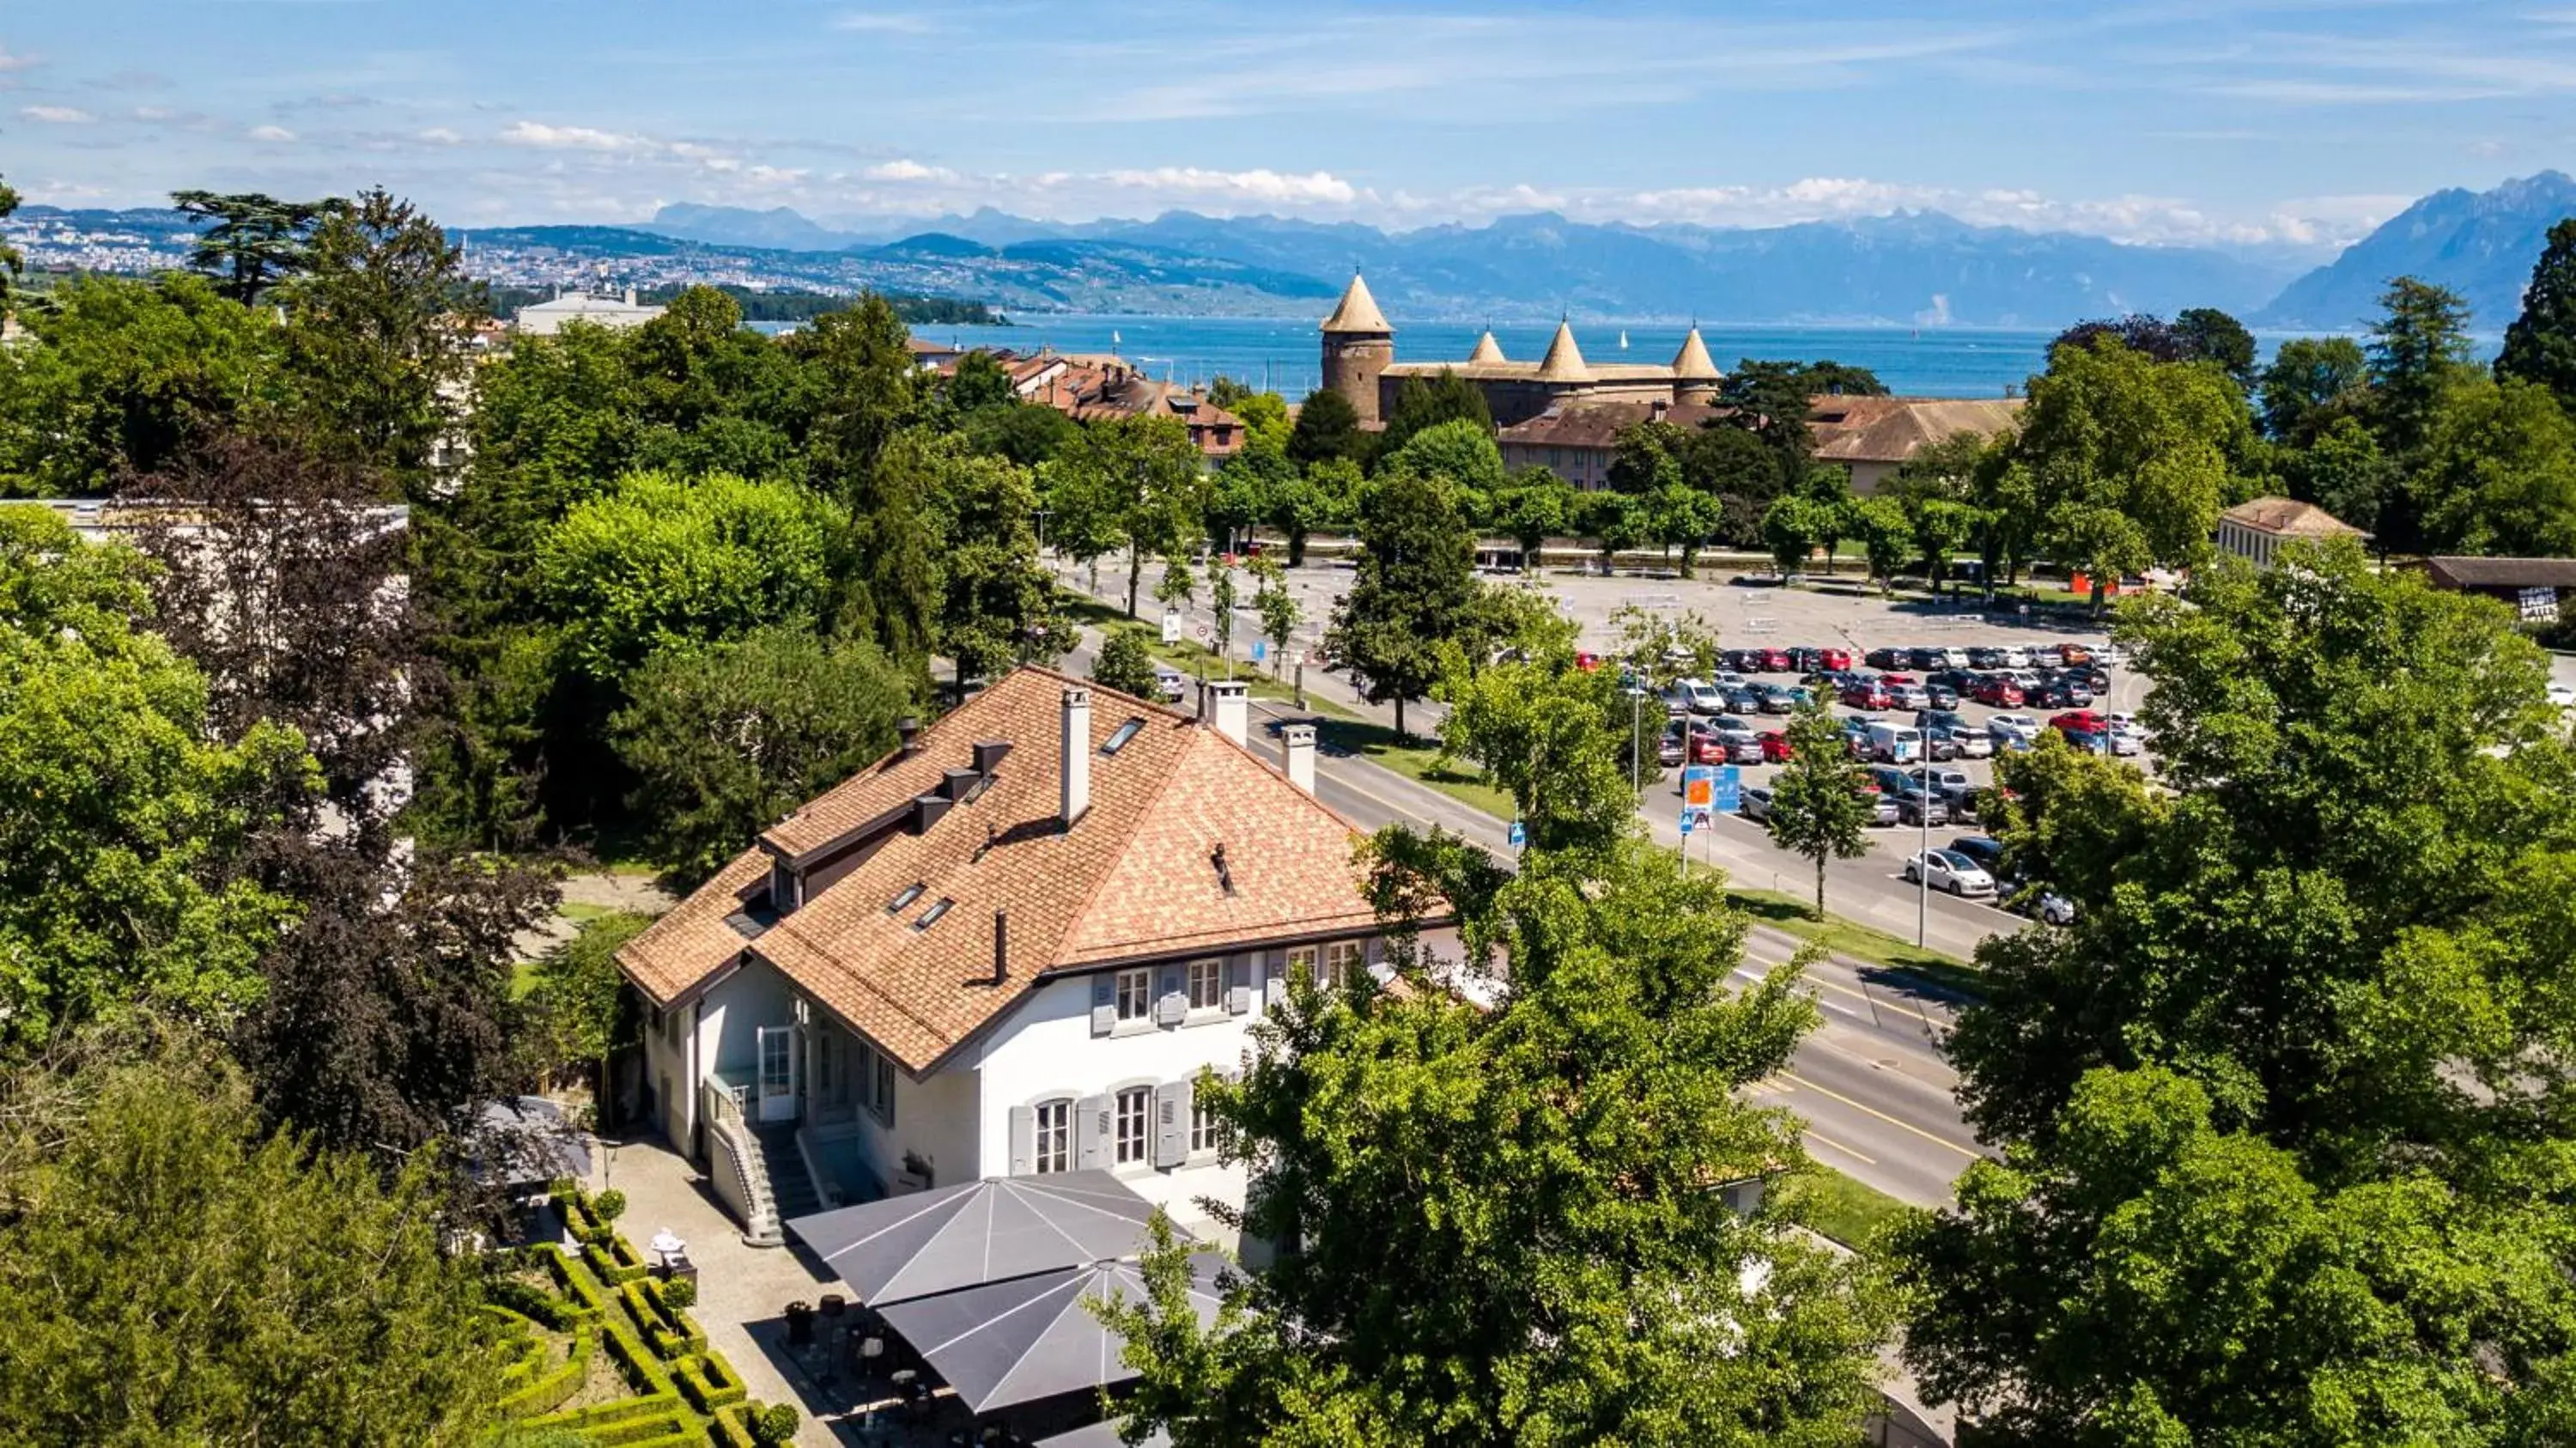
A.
pixel 976 1232
pixel 1031 1338
pixel 1102 1435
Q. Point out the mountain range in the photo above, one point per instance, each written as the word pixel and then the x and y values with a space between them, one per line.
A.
pixel 1908 269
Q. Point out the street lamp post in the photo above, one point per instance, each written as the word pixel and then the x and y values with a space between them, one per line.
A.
pixel 1923 842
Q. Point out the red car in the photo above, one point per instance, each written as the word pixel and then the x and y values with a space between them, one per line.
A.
pixel 1587 662
pixel 1998 691
pixel 1776 661
pixel 1866 694
pixel 1706 748
pixel 1775 747
pixel 1831 659
pixel 2079 721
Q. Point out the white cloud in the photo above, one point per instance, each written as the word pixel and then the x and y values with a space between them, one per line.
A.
pixel 57 115
pixel 572 138
pixel 277 134
pixel 155 113
pixel 1261 185
pixel 907 170
pixel 442 136
pixel 9 62
pixel 874 22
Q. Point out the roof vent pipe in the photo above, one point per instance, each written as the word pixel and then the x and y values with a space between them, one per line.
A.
pixel 1001 946
pixel 988 754
pixel 953 783
pixel 926 811
pixel 906 730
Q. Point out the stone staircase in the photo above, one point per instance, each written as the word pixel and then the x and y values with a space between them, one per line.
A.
pixel 790 1187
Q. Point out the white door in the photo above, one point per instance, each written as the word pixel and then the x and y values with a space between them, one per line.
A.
pixel 777 1073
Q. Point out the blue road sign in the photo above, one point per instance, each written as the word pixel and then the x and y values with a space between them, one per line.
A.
pixel 1688 816
pixel 1260 650
pixel 1730 791
pixel 1519 834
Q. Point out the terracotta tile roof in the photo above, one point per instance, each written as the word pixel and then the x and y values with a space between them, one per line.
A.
pixel 1357 311
pixel 1893 429
pixel 1598 424
pixel 2288 518
pixel 1133 878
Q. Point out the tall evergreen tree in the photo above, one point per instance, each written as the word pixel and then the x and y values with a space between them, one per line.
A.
pixel 2540 346
pixel 1327 427
pixel 1416 583
pixel 10 261
pixel 377 336
pixel 253 241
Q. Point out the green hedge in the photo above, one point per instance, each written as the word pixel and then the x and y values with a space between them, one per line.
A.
pixel 731 1428
pixel 548 1391
pixel 709 1382
pixel 642 1367
pixel 525 1301
pixel 615 1260
pixel 579 1219
pixel 673 1333
pixel 603 1415
pixel 576 1284
pixel 669 1428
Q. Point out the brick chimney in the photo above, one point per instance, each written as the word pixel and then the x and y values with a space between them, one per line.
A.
pixel 1300 742
pixel 1076 754
pixel 1230 701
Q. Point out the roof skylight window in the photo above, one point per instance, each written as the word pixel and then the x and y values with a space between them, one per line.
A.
pixel 1119 737
pixel 903 897
pixel 931 916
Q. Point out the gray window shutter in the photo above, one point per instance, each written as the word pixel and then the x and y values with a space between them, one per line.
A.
pixel 1024 1141
pixel 1238 984
pixel 1092 1133
pixel 1274 987
pixel 1173 1006
pixel 1171 1123
pixel 1104 1004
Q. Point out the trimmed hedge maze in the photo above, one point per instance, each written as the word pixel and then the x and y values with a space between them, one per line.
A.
pixel 595 1332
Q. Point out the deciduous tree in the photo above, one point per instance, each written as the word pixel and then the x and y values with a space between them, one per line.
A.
pixel 2499 472
pixel 1423 403
pixel 2540 346
pixel 1818 805
pixel 1532 507
pixel 725 737
pixel 175 1275
pixel 1125 664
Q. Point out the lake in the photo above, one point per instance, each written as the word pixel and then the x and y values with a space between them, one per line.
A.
pixel 1281 353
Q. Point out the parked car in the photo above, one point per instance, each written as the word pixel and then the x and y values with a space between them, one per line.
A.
pixel 1865 693
pixel 2562 696
pixel 2050 693
pixel 1913 802
pixel 1985 658
pixel 1705 746
pixel 1171 682
pixel 1937 656
pixel 1744 660
pixel 1942 719
pixel 2128 736
pixel 1673 745
pixel 1997 690
pixel 2046 656
pixel 1696 696
pixel 1947 783
pixel 1776 661
pixel 1856 732
pixel 1883 813
pixel 1757 802
pixel 1889 658
pixel 1908 695
pixel 2072 686
pixel 1940 745
pixel 2073 654
pixel 1807 659
pixel 2079 720
pixel 1985 850
pixel 1780 698
pixel 1775 747
pixel 1964 742
pixel 1894 743
pixel 2015 657
pixel 1734 729
pixel 1949 870
pixel 2013 729
pixel 2043 905
pixel 1740 698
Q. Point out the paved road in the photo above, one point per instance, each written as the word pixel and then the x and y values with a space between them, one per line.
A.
pixel 1871 1083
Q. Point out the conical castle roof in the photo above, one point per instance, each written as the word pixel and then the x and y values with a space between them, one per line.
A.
pixel 1692 362
pixel 1358 311
pixel 1487 349
pixel 1564 361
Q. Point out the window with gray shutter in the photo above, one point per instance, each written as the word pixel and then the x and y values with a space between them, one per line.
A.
pixel 1274 984
pixel 1104 1004
pixel 1171 1124
pixel 1024 1141
pixel 1091 1132
pixel 1173 1006
pixel 1238 984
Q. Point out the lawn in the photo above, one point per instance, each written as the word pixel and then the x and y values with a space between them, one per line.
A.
pixel 1416 759
pixel 1842 937
pixel 1843 1209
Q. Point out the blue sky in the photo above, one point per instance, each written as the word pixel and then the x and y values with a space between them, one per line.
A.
pixel 2297 122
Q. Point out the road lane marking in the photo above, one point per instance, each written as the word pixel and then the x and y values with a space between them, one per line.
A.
pixel 1901 1007
pixel 1881 1115
pixel 1821 1139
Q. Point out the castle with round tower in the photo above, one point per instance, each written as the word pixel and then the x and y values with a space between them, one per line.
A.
pixel 1359 363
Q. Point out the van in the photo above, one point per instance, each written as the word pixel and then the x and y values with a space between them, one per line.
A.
pixel 1895 743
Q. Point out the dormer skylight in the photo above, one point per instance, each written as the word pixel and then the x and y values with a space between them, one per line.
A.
pixel 904 897
pixel 931 916
pixel 1118 738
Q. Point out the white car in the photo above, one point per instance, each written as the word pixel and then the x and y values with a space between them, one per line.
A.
pixel 2013 728
pixel 2128 736
pixel 1171 682
pixel 2562 696
pixel 1756 803
pixel 2016 657
pixel 1910 696
pixel 2054 909
pixel 1950 871
pixel 1701 696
